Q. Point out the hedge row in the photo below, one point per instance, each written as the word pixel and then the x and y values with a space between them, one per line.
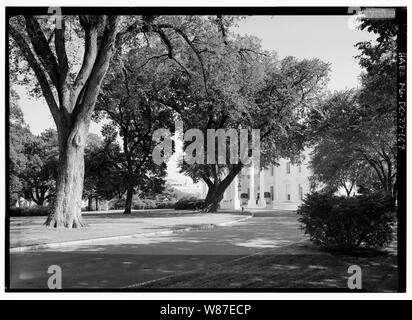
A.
pixel 141 204
pixel 189 204
pixel 35 211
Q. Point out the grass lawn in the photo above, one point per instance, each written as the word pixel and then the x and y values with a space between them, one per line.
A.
pixel 307 267
pixel 26 231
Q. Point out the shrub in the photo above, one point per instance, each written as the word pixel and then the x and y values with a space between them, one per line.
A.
pixel 144 204
pixel 346 223
pixel 117 204
pixel 165 204
pixel 29 211
pixel 141 204
pixel 191 203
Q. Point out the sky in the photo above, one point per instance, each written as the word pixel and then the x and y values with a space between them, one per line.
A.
pixel 329 38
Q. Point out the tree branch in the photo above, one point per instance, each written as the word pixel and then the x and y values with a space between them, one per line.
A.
pixel 59 42
pixel 84 109
pixel 38 71
pixel 42 49
pixel 89 57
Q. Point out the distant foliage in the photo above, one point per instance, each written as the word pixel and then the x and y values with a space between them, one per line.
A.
pixel 347 223
pixel 141 204
pixel 191 203
pixel 19 134
pixel 33 159
pixel 35 211
pixel 167 200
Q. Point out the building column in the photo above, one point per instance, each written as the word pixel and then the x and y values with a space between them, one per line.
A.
pixel 236 197
pixel 262 202
pixel 204 189
pixel 252 201
pixel 275 187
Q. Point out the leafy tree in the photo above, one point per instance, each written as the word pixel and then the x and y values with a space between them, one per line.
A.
pixel 71 85
pixel 40 172
pixel 349 139
pixel 355 135
pixel 333 170
pixel 130 98
pixel 94 164
pixel 19 134
pixel 378 58
pixel 104 178
pixel 69 91
pixel 379 91
pixel 133 119
pixel 235 84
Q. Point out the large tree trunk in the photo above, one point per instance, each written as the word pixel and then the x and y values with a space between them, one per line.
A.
pixel 89 203
pixel 66 210
pixel 97 203
pixel 213 197
pixel 217 189
pixel 129 199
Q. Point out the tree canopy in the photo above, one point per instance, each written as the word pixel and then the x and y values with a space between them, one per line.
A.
pixel 354 132
pixel 243 86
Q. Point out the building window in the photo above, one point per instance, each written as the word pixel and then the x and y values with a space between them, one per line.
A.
pixel 248 193
pixel 288 197
pixel 300 192
pixel 272 191
pixel 272 170
pixel 288 168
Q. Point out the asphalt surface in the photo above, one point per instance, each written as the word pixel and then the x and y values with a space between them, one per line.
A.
pixel 131 262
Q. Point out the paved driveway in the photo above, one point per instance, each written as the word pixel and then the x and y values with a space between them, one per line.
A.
pixel 124 263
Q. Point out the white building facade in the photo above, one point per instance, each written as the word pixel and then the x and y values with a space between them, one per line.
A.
pixel 275 187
